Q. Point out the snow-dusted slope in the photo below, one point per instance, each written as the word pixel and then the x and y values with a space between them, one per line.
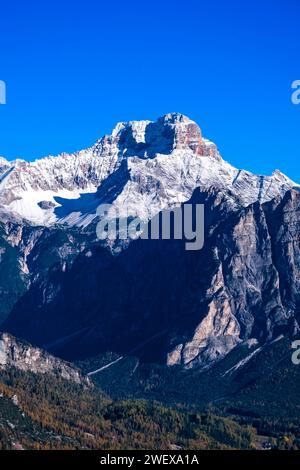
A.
pixel 141 165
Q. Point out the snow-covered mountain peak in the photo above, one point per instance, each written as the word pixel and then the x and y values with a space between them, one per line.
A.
pixel 141 164
pixel 146 139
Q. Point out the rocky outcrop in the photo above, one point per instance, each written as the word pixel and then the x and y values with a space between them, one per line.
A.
pixel 14 353
pixel 255 290
pixel 147 139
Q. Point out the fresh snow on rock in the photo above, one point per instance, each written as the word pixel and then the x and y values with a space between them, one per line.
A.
pixel 160 164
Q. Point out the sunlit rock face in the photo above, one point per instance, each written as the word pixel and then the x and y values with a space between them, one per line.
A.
pixel 15 353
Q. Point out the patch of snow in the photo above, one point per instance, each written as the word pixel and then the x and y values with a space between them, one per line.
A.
pixel 242 362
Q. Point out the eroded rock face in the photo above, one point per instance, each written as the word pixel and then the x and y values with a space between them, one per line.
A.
pixel 14 353
pixel 284 227
pixel 255 290
pixel 27 253
pixel 214 337
pixel 146 139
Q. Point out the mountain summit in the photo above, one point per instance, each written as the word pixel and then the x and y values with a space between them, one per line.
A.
pixel 159 165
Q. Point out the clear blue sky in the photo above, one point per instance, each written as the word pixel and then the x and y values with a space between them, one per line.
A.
pixel 73 69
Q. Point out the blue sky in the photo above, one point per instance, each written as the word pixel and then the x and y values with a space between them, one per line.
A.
pixel 73 69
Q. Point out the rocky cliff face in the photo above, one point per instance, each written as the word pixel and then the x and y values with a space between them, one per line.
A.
pixel 14 353
pixel 154 299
